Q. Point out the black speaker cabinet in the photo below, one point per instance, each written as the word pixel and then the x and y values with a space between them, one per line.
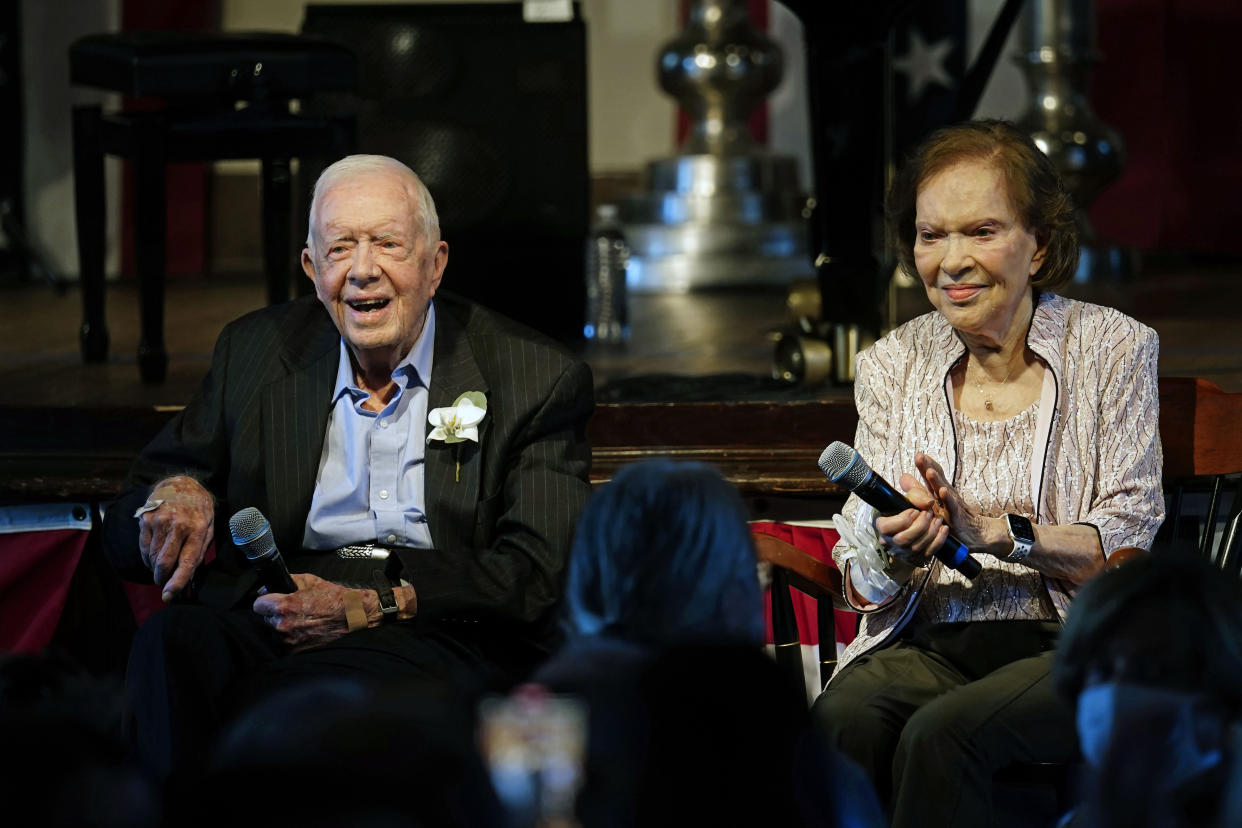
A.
pixel 491 112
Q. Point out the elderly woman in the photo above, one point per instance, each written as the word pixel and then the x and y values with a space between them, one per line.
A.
pixel 1023 423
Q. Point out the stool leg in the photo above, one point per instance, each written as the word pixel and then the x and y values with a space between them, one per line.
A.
pixel 277 194
pixel 90 212
pixel 151 233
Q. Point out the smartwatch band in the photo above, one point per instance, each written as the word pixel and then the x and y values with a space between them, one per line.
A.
pixel 1022 533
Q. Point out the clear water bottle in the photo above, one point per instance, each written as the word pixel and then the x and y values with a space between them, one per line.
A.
pixel 607 254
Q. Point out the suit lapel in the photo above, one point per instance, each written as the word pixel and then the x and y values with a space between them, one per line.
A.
pixel 295 419
pixel 450 499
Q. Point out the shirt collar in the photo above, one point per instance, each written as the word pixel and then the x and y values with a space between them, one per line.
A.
pixel 413 369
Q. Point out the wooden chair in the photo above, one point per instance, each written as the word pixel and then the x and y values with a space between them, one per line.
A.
pixel 1201 431
pixel 792 567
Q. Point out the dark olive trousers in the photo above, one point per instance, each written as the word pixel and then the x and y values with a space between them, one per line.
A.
pixel 933 716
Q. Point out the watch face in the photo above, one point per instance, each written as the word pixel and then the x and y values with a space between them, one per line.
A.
pixel 1020 528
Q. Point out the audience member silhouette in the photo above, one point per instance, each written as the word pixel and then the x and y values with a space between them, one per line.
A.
pixel 689 722
pixel 330 752
pixel 730 743
pixel 66 759
pixel 1152 654
pixel 663 555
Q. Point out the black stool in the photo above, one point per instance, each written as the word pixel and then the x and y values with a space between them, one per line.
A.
pixel 200 80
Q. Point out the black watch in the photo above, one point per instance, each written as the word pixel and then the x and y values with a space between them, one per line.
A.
pixel 387 601
pixel 1022 533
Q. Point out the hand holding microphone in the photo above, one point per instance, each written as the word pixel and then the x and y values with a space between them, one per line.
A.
pixel 844 465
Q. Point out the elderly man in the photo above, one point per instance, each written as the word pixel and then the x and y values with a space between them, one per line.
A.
pixel 316 413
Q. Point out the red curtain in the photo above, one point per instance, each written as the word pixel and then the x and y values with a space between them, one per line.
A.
pixel 1168 84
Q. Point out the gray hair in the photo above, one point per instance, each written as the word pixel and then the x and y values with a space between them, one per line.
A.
pixel 362 164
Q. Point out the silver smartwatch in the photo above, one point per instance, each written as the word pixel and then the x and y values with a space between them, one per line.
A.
pixel 1023 536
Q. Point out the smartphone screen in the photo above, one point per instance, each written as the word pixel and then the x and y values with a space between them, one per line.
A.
pixel 534 744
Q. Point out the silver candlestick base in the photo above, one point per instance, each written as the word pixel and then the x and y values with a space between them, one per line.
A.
pixel 717 221
pixel 724 212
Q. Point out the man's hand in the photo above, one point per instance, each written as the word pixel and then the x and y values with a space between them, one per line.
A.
pixel 313 615
pixel 173 538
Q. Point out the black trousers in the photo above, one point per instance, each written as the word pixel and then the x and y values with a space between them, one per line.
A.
pixel 933 716
pixel 192 668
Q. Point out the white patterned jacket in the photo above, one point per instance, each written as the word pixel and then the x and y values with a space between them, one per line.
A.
pixel 1096 454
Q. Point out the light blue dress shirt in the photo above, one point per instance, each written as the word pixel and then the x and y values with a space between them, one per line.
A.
pixel 370 482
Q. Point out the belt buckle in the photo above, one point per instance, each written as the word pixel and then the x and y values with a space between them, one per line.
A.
pixel 364 551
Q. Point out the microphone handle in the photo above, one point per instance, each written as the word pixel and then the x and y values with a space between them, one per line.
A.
pixel 876 491
pixel 273 573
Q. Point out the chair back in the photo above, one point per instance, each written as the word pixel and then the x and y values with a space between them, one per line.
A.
pixel 1201 433
pixel 808 614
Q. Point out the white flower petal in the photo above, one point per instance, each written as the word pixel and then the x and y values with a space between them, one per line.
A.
pixel 472 417
pixel 456 423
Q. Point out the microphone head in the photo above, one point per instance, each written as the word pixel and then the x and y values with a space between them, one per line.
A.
pixel 252 533
pixel 843 465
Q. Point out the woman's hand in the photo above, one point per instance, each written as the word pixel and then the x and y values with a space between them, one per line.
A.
pixel 1070 552
pixel 982 534
pixel 914 535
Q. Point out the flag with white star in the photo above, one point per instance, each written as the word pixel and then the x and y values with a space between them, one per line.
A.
pixel 929 62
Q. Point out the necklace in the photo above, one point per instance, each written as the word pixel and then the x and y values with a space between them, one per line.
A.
pixel 987 400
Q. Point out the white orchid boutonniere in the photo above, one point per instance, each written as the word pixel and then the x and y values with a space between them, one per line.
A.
pixel 458 423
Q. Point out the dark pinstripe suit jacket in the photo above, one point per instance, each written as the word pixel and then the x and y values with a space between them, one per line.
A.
pixel 254 432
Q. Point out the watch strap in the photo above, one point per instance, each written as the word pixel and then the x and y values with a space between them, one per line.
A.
pixel 387 601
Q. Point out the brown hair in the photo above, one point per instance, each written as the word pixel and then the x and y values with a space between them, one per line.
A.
pixel 1036 192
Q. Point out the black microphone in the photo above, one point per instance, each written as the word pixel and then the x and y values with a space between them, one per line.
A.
pixel 844 465
pixel 253 535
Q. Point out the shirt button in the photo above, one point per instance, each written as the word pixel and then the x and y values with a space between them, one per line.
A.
pixel 383 424
pixel 383 494
pixel 392 538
